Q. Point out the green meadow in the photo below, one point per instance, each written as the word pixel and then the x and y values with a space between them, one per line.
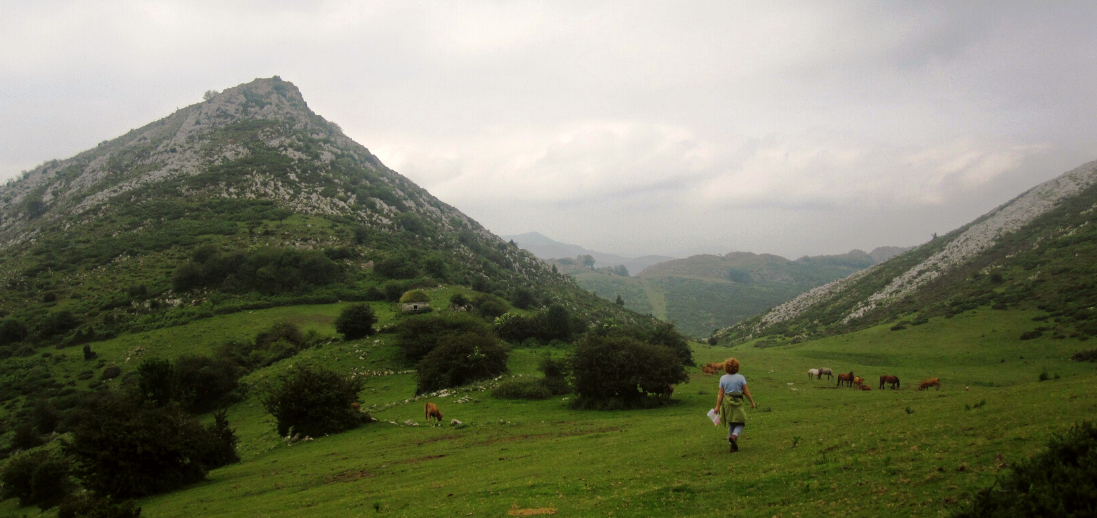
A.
pixel 810 449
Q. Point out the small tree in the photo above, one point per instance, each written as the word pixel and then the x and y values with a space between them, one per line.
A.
pixel 313 401
pixel 156 381
pixel 461 359
pixel 622 370
pixel 356 321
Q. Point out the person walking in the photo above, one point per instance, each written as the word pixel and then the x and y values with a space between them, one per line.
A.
pixel 729 402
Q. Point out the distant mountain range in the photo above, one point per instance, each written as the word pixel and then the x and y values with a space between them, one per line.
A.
pixel 546 248
pixel 1035 253
pixel 703 292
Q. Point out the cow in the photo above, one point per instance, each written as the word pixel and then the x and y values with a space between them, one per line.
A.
pixel 932 382
pixel 893 380
pixel 846 378
pixel 813 373
pixel 825 371
pixel 431 410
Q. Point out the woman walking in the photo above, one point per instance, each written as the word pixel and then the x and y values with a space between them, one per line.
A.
pixel 729 401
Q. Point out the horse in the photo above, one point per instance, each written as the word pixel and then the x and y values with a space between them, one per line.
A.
pixel 932 382
pixel 847 378
pixel 893 380
pixel 857 380
pixel 825 371
pixel 813 373
pixel 865 387
pixel 431 410
pixel 712 368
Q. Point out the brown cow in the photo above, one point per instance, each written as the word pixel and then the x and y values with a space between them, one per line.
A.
pixel 712 368
pixel 432 411
pixel 932 382
pixel 846 378
pixel 893 380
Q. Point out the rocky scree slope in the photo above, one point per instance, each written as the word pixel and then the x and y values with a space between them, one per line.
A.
pixel 1035 250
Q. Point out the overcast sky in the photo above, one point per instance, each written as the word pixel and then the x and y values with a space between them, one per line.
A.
pixel 627 127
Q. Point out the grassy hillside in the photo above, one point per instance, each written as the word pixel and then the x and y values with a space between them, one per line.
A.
pixel 809 450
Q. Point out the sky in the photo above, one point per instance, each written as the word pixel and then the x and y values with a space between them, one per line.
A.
pixel 625 127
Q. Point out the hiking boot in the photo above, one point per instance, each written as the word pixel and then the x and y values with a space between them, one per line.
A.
pixel 734 444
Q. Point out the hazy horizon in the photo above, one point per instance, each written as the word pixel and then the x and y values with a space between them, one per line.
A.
pixel 793 129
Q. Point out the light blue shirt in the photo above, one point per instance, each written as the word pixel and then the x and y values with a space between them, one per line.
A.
pixel 731 383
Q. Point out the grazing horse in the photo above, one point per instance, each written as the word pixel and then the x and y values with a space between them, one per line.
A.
pixel 932 382
pixel 893 380
pixel 846 378
pixel 825 371
pixel 813 373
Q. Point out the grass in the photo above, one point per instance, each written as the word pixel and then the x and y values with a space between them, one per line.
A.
pixel 810 450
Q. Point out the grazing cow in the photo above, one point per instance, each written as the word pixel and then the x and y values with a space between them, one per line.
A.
pixel 712 368
pixel 857 380
pixel 813 373
pixel 846 378
pixel 825 371
pixel 432 411
pixel 893 380
pixel 932 382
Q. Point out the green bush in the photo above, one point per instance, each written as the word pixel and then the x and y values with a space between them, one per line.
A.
pixel 622 369
pixel 460 359
pixel 415 296
pixel 419 335
pixel 356 321
pixel 12 331
pixel 203 383
pixel 489 306
pixel 522 389
pixel 126 448
pixel 282 340
pixel 156 381
pixel 1061 481
pixel 110 372
pixel 37 478
pixel 313 401
pixel 88 505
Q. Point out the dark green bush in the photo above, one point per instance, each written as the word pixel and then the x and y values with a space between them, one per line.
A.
pixel 127 448
pixel 489 306
pixel 37 478
pixel 356 321
pixel 459 359
pixel 12 331
pixel 156 381
pixel 26 437
pixel 220 447
pixel 1061 481
pixel 623 369
pixel 110 372
pixel 282 340
pixel 203 383
pixel 418 335
pixel 532 388
pixel 313 401
pixel 88 505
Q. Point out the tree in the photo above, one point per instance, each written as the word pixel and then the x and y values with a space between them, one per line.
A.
pixel 313 401
pixel 586 260
pixel 156 381
pixel 356 321
pixel 461 359
pixel 622 370
pixel 620 301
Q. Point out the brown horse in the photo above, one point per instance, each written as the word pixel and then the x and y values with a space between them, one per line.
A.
pixel 712 368
pixel 865 387
pixel 893 380
pixel 846 378
pixel 932 382
pixel 857 380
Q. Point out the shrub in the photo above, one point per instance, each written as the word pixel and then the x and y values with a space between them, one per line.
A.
pixel 203 383
pixel 461 359
pixel 110 372
pixel 156 381
pixel 622 369
pixel 418 335
pixel 415 296
pixel 1061 481
pixel 37 478
pixel 126 448
pixel 220 447
pixel 489 306
pixel 26 437
pixel 282 340
pixel 12 331
pixel 522 389
pixel 88 505
pixel 459 300
pixel 356 321
pixel 313 401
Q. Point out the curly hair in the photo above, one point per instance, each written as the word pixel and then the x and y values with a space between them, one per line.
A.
pixel 731 366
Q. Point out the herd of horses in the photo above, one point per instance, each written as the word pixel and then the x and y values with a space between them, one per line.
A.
pixel 851 380
pixel 847 379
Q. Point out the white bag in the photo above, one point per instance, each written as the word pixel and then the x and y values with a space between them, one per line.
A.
pixel 714 417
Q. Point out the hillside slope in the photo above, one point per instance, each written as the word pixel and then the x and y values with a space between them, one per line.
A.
pixel 245 200
pixel 1033 252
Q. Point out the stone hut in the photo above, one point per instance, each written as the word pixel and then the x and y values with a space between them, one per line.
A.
pixel 415 300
